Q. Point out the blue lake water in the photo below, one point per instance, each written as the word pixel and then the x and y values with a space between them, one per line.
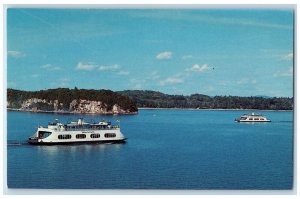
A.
pixel 166 149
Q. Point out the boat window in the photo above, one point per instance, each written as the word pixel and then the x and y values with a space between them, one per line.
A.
pixel 44 134
pixel 250 118
pixel 261 118
pixel 109 135
pixel 256 118
pixel 66 136
pixel 97 135
pixel 80 136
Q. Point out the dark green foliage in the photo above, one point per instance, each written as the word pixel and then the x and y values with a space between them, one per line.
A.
pixel 66 96
pixel 131 99
pixel 153 99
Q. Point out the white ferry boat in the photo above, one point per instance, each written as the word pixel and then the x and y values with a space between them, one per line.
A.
pixel 252 118
pixel 77 132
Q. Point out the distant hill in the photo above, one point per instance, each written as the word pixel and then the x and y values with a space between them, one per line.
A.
pixel 154 99
pixel 71 100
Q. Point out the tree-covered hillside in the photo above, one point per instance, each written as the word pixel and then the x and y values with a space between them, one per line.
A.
pixel 153 99
pixel 65 96
pixel 131 99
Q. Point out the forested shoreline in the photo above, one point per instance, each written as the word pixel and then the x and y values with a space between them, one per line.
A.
pixel 130 100
pixel 154 99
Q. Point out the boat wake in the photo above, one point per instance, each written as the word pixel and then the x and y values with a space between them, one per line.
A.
pixel 16 142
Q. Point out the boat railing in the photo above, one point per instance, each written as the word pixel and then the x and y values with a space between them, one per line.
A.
pixel 78 128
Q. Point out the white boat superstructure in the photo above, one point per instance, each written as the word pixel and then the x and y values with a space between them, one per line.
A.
pixel 252 118
pixel 77 132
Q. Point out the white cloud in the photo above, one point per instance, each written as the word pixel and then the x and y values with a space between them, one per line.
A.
pixel 288 73
pixel 62 82
pixel 164 55
pixel 171 80
pixel 177 78
pixel 184 57
pixel 15 54
pixel 143 81
pixel 50 67
pixel 133 80
pixel 35 75
pixel 108 68
pixel 137 86
pixel 46 66
pixel 123 73
pixel 152 76
pixel 288 56
pixel 137 83
pixel 90 66
pixel 86 66
pixel 197 68
pixel 246 81
pixel 209 88
pixel 253 81
pixel 55 68
pixel 223 83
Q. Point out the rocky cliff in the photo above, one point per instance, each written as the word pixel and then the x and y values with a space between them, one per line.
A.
pixel 76 106
pixel 70 101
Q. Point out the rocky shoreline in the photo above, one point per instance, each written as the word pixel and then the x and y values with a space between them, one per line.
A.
pixel 69 112
pixel 79 106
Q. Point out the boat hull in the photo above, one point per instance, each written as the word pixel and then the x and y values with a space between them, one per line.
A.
pixel 33 142
pixel 253 121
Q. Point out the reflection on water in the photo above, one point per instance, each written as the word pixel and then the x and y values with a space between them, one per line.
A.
pixel 79 149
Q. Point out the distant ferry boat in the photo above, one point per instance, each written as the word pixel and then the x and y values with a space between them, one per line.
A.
pixel 252 118
pixel 77 132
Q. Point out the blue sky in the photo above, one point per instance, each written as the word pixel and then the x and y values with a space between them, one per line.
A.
pixel 180 51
